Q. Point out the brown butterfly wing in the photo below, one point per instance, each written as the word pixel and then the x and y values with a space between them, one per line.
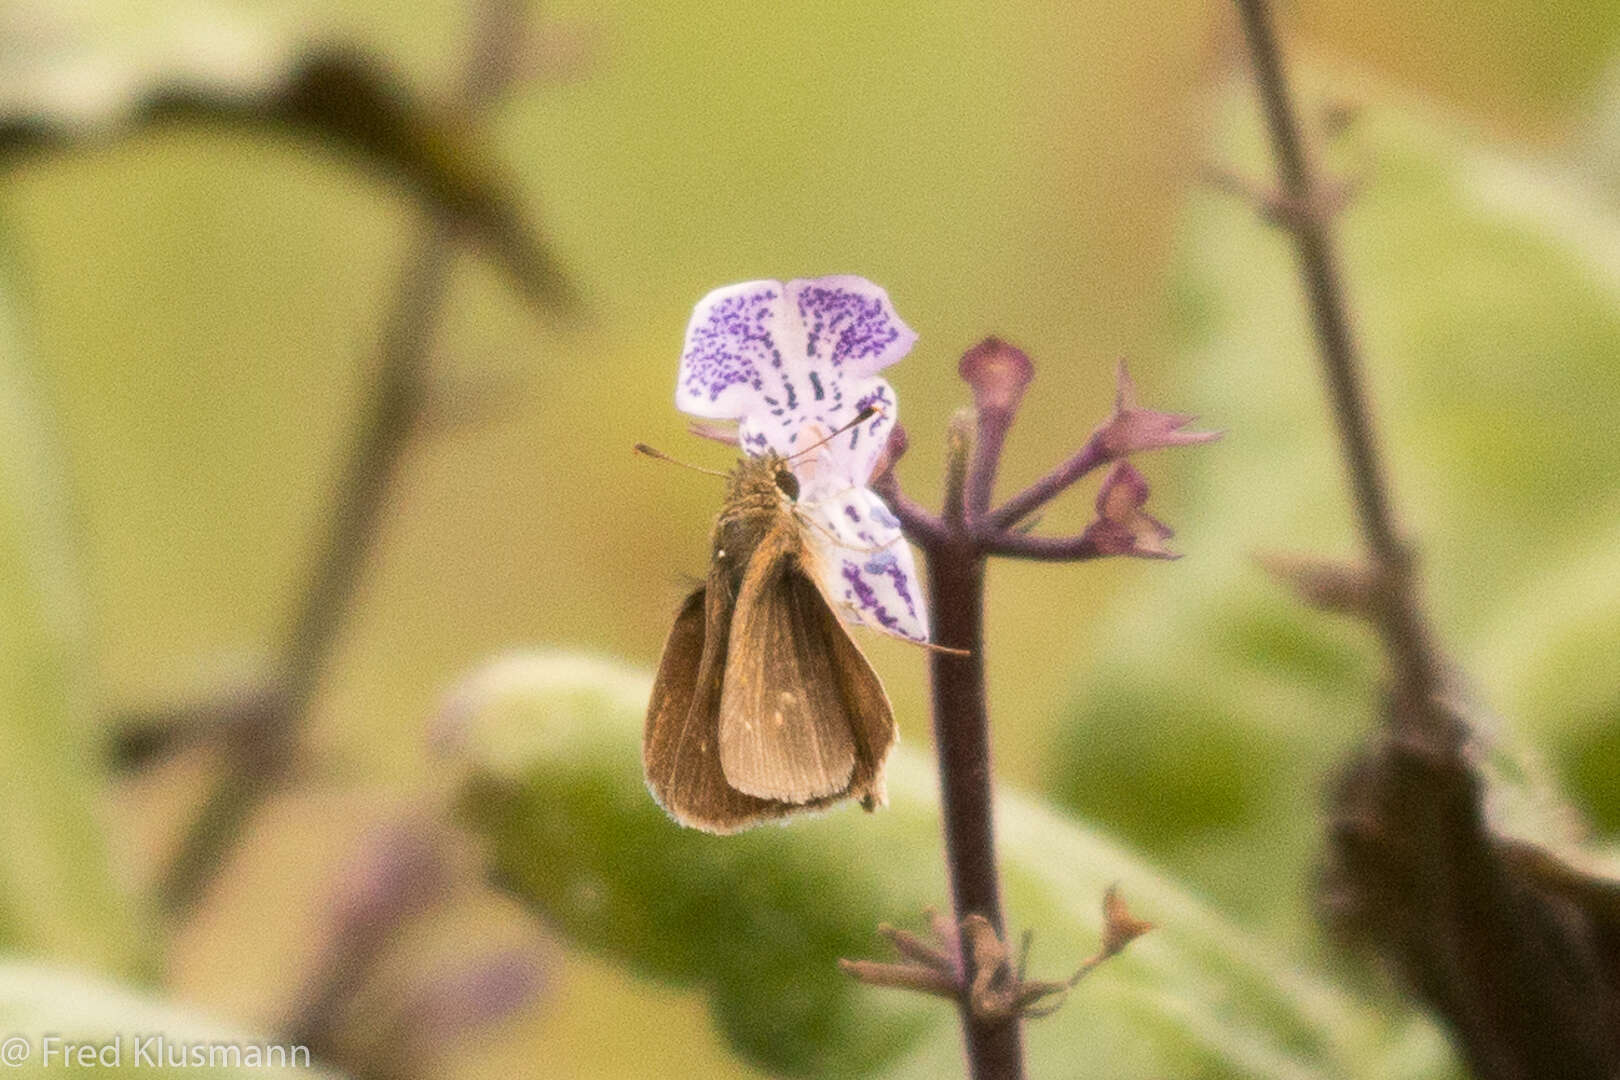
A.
pixel 803 719
pixel 680 745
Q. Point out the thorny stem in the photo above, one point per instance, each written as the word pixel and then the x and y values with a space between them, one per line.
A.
pixel 262 755
pixel 1399 613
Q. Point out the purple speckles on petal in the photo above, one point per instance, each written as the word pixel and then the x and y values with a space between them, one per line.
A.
pixel 852 513
pixel 730 340
pixel 879 563
pixel 874 568
pixel 902 585
pixel 849 322
pixel 866 597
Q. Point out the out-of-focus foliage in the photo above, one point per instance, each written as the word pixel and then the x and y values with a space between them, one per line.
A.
pixel 67 84
pixel 139 1033
pixel 57 893
pixel 758 920
pixel 1487 295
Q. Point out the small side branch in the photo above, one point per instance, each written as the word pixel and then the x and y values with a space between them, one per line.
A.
pixel 1085 461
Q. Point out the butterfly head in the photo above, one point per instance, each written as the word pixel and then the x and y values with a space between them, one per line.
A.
pixel 765 481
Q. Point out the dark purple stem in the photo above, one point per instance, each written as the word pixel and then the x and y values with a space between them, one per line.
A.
pixel 1517 962
pixel 962 738
pixel 1014 545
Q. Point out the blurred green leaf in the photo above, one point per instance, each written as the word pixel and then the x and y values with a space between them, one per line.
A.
pixel 57 893
pixel 36 1002
pixel 758 920
pixel 66 85
pixel 1486 293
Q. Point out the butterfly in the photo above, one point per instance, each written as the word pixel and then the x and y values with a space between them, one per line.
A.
pixel 763 705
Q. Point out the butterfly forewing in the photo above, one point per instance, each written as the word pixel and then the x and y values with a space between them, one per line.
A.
pixel 785 729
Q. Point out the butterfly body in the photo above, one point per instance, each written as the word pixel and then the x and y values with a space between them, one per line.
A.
pixel 763 705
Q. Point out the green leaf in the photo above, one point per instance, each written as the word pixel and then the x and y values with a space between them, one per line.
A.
pixel 1485 290
pixel 44 1011
pixel 57 893
pixel 758 920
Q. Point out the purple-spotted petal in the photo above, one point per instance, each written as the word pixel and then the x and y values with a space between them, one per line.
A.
pixel 849 324
pixel 783 355
pixel 864 564
pixel 733 350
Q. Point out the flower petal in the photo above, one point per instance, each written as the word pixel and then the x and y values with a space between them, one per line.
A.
pixel 864 564
pixel 732 344
pixel 784 354
pixel 849 324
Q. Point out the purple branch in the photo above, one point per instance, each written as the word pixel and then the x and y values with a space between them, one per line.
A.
pixel 1400 617
pixel 962 737
pixel 1514 951
pixel 1014 545
pixel 1092 456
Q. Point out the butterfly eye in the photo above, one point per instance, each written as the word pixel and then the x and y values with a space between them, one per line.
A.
pixel 787 483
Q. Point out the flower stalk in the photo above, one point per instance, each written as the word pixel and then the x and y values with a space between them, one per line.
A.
pixel 957 545
pixel 1399 615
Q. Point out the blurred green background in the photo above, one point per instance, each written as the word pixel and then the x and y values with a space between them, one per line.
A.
pixel 201 308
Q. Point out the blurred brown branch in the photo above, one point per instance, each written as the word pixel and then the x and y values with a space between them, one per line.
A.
pixel 1522 974
pixel 262 753
pixel 345 98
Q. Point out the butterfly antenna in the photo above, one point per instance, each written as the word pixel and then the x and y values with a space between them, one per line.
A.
pixel 643 448
pixel 860 418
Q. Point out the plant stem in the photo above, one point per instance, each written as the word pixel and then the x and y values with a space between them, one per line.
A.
pixel 1401 621
pixel 1508 959
pixel 262 755
pixel 956 569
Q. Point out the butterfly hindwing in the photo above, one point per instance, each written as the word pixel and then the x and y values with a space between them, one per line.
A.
pixel 680 748
pixel 866 704
pixel 763 705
